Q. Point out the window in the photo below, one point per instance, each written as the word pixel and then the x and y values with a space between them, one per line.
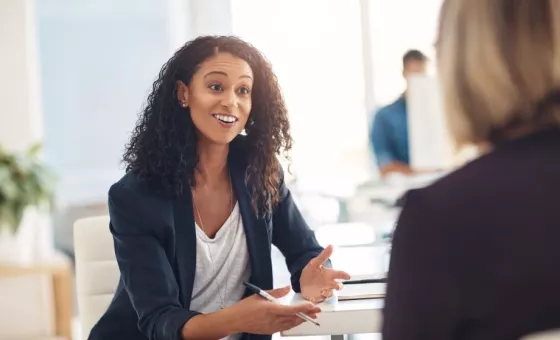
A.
pixel 396 26
pixel 315 47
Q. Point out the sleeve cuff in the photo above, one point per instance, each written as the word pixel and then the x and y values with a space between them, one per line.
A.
pixel 172 326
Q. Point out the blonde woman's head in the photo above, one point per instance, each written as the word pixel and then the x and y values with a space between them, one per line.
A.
pixel 499 66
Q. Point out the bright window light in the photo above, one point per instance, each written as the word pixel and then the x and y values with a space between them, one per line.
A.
pixel 315 47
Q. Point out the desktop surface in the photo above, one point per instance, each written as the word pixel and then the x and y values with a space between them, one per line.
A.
pixel 340 317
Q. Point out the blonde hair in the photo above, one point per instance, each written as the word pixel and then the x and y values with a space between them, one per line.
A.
pixel 498 60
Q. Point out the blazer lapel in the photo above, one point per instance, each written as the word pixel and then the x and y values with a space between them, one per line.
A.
pixel 255 232
pixel 185 246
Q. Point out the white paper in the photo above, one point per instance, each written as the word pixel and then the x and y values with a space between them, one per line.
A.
pixel 362 291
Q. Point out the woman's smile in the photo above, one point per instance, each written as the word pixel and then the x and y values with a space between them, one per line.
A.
pixel 225 120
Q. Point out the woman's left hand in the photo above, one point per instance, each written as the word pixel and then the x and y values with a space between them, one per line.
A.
pixel 317 282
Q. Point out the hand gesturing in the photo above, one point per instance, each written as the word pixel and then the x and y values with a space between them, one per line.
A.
pixel 317 281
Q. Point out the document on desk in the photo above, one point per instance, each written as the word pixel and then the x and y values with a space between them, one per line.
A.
pixel 362 291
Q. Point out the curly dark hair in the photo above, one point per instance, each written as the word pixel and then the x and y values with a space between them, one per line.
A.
pixel 163 143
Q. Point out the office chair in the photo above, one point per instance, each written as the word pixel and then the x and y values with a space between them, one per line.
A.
pixel 97 272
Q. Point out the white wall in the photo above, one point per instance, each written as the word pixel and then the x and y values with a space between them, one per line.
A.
pixel 20 102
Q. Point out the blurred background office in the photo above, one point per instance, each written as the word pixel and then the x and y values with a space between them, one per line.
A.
pixel 75 74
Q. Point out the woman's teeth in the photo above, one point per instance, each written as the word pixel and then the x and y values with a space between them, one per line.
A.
pixel 226 119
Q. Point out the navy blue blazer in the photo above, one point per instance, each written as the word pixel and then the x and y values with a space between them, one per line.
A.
pixel 155 246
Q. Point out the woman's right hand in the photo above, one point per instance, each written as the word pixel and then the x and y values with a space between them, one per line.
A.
pixel 257 315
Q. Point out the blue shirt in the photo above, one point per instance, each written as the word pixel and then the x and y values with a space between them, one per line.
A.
pixel 389 133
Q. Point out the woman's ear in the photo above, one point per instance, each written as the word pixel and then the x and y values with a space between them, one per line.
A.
pixel 182 94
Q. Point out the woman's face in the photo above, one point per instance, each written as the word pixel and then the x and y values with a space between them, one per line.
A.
pixel 219 97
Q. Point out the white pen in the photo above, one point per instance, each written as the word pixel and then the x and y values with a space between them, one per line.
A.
pixel 271 298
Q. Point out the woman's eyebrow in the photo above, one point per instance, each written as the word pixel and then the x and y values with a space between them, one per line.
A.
pixel 225 74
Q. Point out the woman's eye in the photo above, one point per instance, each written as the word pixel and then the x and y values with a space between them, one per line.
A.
pixel 215 87
pixel 244 90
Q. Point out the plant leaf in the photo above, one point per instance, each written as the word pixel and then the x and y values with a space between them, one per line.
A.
pixel 24 181
pixel 34 150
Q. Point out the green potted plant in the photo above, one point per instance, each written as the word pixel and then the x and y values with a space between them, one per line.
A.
pixel 25 183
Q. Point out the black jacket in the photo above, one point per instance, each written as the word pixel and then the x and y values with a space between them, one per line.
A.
pixel 155 245
pixel 476 255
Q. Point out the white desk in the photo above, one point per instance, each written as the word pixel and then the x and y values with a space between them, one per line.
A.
pixel 341 317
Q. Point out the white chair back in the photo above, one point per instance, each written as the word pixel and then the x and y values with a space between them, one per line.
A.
pixel 97 272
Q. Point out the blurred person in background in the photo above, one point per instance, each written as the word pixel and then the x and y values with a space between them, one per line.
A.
pixel 475 255
pixel 202 201
pixel 389 131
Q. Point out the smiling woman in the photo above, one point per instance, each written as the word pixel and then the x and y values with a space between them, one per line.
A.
pixel 196 214
pixel 207 77
pixel 219 96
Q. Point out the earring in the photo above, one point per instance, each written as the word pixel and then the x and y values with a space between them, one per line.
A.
pixel 184 105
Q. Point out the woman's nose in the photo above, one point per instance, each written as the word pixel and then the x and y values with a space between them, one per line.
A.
pixel 229 99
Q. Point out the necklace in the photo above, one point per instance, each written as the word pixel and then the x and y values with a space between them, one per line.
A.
pixel 220 295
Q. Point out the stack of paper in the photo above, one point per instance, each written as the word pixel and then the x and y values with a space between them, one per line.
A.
pixel 362 291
